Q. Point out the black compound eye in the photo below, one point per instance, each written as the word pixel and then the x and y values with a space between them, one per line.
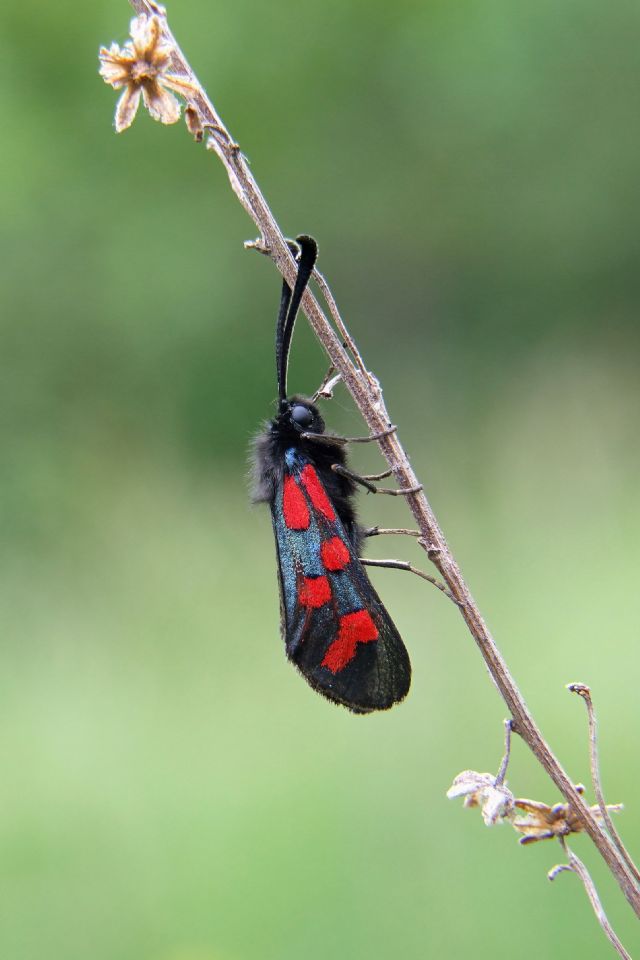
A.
pixel 301 415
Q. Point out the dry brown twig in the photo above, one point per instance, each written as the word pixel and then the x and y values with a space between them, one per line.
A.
pixel 169 70
pixel 582 690
pixel 576 866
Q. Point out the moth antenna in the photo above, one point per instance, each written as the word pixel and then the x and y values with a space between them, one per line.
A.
pixel 289 305
pixel 281 362
pixel 285 299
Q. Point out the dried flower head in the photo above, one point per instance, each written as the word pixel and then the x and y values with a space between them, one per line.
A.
pixel 141 67
pixel 542 822
pixel 497 803
pixel 485 791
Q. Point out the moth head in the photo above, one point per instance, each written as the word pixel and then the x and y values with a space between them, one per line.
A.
pixel 298 415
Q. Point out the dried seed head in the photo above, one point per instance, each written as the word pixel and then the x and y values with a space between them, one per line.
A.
pixel 481 790
pixel 542 822
pixel 141 66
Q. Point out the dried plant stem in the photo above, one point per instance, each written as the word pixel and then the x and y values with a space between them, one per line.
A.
pixel 502 772
pixel 367 395
pixel 584 691
pixel 576 866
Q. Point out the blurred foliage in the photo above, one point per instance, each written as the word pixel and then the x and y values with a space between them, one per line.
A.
pixel 171 790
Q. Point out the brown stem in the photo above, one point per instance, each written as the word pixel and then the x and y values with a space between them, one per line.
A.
pixel 576 866
pixel 502 772
pixel 584 691
pixel 367 395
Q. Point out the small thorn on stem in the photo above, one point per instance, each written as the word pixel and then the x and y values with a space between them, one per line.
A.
pixel 326 388
pixel 259 246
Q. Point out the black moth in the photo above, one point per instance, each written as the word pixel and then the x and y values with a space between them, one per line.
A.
pixel 335 628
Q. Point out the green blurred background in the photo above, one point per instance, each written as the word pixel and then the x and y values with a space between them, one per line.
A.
pixel 171 790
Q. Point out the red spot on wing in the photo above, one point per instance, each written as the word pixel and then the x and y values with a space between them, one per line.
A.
pixel 354 628
pixel 317 493
pixel 334 554
pixel 314 592
pixel 294 506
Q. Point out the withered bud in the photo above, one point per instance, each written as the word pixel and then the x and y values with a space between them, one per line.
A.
pixel 194 126
pixel 482 790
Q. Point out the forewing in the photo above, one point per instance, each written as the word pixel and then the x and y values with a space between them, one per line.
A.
pixel 335 627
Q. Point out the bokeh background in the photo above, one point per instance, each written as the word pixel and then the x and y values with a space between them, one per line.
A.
pixel 171 790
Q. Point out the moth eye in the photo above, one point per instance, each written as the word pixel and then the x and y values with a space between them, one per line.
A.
pixel 301 415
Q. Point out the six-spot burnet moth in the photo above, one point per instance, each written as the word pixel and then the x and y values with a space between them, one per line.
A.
pixel 335 628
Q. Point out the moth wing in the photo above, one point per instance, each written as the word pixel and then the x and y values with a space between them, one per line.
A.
pixel 335 627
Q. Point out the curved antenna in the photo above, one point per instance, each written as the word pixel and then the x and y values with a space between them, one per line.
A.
pixel 285 299
pixel 289 305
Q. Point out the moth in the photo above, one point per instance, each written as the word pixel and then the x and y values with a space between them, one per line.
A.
pixel 335 628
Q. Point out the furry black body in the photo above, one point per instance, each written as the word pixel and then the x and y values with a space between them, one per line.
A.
pixel 280 435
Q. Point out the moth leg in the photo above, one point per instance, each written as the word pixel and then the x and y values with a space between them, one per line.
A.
pixel 403 565
pixel 373 436
pixel 377 476
pixel 371 487
pixel 381 531
pixel 329 438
